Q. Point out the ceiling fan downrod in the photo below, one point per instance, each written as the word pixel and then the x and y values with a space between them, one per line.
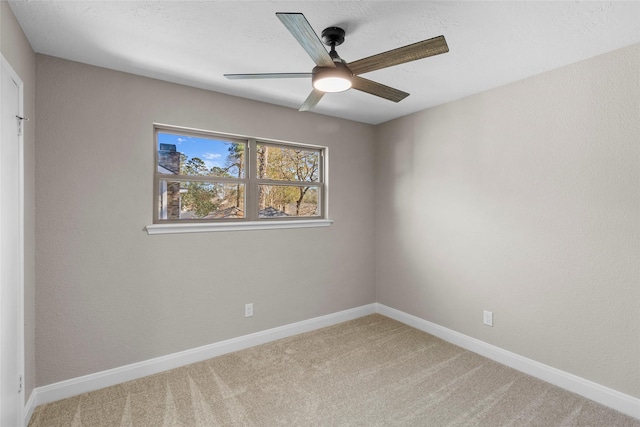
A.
pixel 333 36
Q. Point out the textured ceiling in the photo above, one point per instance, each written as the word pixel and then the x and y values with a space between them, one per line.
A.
pixel 195 42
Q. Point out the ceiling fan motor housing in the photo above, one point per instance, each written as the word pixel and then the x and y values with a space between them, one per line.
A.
pixel 333 36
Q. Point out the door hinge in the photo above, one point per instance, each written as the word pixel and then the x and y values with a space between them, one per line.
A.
pixel 20 384
pixel 20 121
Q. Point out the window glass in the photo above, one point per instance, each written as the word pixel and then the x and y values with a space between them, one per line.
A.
pixel 287 163
pixel 200 156
pixel 200 200
pixel 288 200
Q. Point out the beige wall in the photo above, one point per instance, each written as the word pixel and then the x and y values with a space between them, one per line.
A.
pixel 108 293
pixel 17 51
pixel 523 200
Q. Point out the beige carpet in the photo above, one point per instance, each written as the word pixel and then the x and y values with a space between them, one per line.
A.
pixel 372 371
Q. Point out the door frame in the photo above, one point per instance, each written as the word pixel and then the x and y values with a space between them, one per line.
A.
pixel 5 67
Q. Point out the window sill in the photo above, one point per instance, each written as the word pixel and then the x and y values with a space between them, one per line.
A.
pixel 174 228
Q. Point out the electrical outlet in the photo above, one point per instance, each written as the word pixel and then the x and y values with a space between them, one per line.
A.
pixel 248 310
pixel 487 318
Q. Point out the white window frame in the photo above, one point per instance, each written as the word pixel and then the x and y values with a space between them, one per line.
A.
pixel 251 182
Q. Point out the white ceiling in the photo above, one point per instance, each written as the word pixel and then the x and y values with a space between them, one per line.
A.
pixel 196 42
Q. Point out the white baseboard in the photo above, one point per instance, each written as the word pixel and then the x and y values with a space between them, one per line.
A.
pixel 619 401
pixel 624 403
pixel 29 407
pixel 75 386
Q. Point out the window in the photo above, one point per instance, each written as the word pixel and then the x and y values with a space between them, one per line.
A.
pixel 204 177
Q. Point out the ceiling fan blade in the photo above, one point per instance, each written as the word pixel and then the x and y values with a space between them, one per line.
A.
pixel 377 89
pixel 268 76
pixel 300 28
pixel 314 97
pixel 412 52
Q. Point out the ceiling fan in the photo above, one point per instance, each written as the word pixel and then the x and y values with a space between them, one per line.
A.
pixel 333 74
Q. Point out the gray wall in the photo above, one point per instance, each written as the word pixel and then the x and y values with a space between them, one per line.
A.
pixel 523 200
pixel 108 293
pixel 17 51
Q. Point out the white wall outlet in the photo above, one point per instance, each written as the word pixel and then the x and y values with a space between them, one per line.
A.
pixel 248 310
pixel 487 318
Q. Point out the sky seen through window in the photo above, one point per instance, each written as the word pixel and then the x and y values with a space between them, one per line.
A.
pixel 212 152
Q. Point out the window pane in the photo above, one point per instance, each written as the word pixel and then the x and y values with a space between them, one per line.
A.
pixel 200 200
pixel 288 200
pixel 287 164
pixel 200 156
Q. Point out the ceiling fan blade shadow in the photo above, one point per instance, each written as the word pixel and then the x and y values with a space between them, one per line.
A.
pixel 268 76
pixel 301 30
pixel 377 89
pixel 314 97
pixel 401 55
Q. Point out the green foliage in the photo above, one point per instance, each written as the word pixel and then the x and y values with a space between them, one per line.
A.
pixel 202 198
pixel 199 198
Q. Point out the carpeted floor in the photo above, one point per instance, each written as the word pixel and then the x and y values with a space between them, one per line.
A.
pixel 371 371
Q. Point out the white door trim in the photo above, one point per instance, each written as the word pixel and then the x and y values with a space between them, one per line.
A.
pixel 5 67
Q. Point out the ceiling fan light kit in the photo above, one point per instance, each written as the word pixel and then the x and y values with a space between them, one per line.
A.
pixel 332 79
pixel 332 74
